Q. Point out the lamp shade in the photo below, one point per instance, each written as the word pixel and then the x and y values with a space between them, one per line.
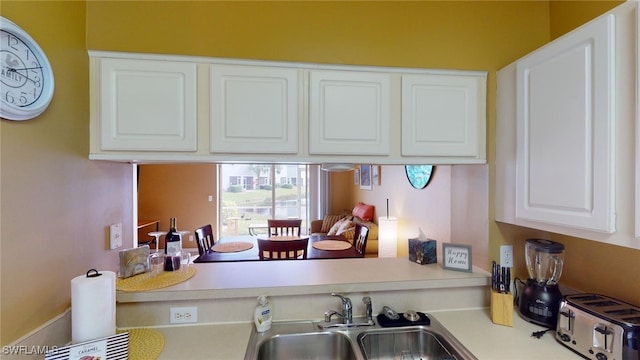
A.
pixel 387 236
pixel 337 167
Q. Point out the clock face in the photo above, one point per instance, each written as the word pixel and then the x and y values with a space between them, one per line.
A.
pixel 26 79
pixel 419 175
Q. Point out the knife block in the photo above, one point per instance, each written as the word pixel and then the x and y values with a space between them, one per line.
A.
pixel 501 308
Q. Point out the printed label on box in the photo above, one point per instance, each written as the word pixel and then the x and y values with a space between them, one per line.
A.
pixel 423 251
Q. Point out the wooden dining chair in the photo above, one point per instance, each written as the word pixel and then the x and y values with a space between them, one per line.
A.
pixel 360 240
pixel 283 249
pixel 284 227
pixel 204 238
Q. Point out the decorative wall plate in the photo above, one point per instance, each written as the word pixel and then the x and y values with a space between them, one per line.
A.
pixel 419 175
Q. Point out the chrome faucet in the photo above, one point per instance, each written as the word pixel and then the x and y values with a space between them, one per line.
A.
pixel 347 310
pixel 347 314
pixel 368 309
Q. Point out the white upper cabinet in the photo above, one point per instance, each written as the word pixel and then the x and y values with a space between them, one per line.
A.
pixel 173 108
pixel 444 115
pixel 146 105
pixel 565 130
pixel 349 112
pixel 254 109
pixel 565 133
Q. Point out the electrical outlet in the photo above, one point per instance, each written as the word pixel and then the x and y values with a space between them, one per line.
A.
pixel 115 236
pixel 506 255
pixel 182 315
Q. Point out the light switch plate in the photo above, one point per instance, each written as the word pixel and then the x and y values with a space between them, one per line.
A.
pixel 506 255
pixel 115 236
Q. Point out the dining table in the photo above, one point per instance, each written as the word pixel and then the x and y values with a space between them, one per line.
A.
pixel 245 248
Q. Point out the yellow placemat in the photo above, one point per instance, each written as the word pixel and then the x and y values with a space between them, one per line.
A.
pixel 144 344
pixel 147 281
pixel 331 245
pixel 235 246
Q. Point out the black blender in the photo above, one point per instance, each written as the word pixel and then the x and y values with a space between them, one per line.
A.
pixel 539 299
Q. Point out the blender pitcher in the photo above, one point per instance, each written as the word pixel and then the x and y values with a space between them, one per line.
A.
pixel 544 260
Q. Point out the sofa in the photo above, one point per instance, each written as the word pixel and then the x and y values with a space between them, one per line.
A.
pixel 361 214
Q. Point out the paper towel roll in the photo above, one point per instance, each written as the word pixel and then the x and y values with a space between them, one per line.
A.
pixel 93 306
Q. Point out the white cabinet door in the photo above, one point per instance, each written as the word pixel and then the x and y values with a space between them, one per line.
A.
pixel 349 112
pixel 147 105
pixel 565 130
pixel 444 115
pixel 254 109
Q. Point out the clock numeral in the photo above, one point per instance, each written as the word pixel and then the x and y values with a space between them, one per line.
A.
pixel 23 98
pixel 8 97
pixel 37 81
pixel 12 41
pixel 34 92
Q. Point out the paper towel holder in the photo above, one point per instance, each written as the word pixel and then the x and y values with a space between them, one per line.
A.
pixel 96 274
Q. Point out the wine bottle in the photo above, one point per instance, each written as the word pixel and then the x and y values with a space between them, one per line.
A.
pixel 172 239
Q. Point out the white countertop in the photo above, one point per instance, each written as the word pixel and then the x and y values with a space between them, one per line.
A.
pixel 472 327
pixel 487 340
pixel 298 290
pixel 228 280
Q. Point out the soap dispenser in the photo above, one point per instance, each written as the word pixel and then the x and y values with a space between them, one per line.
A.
pixel 262 314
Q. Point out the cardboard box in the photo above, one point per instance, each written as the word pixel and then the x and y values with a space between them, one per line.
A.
pixel 423 251
pixel 134 261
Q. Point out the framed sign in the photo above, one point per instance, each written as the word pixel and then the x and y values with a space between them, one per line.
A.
pixel 456 257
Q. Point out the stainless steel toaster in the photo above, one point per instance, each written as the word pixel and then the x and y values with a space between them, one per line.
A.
pixel 599 327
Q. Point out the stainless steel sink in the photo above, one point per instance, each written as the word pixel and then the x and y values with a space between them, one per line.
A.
pixel 322 345
pixel 407 343
pixel 304 340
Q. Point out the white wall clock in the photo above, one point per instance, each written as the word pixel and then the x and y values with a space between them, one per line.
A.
pixel 26 77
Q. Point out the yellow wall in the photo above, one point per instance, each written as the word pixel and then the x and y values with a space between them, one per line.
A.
pixel 56 204
pixel 341 192
pixel 439 34
pixel 568 15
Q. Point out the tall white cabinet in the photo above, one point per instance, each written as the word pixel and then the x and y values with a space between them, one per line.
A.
pixel 565 130
pixel 564 158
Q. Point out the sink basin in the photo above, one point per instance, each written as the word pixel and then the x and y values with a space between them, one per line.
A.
pixel 412 343
pixel 304 340
pixel 318 346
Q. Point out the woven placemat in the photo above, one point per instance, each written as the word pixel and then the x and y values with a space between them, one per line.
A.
pixel 235 246
pixel 284 238
pixel 148 281
pixel 144 344
pixel 331 245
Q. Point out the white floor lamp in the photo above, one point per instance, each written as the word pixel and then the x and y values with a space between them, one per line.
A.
pixel 387 235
